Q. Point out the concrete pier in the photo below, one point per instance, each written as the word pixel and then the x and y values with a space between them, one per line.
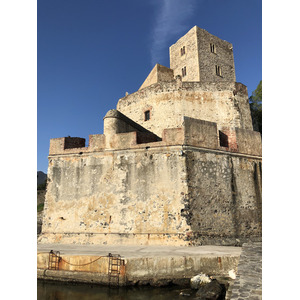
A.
pixel 154 265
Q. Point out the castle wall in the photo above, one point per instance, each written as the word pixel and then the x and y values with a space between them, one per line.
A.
pixel 183 190
pixel 158 196
pixel 222 103
pixel 224 201
pixel 109 196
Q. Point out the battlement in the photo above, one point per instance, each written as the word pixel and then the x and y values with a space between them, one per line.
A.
pixel 122 133
pixel 66 143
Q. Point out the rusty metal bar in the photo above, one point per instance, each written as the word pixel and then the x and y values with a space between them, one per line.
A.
pixel 114 264
pixel 54 259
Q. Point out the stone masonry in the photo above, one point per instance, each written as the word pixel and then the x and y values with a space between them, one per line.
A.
pixel 178 163
pixel 203 52
pixel 248 283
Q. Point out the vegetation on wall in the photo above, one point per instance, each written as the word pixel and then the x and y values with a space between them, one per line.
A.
pixel 41 191
pixel 40 207
pixel 256 108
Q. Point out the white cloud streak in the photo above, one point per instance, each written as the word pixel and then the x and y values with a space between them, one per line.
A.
pixel 170 21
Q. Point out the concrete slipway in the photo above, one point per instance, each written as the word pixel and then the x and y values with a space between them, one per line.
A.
pixel 155 265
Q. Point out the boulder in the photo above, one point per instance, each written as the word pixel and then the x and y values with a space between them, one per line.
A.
pixel 199 280
pixel 211 291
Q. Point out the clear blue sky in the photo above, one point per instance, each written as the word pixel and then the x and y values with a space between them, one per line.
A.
pixel 90 52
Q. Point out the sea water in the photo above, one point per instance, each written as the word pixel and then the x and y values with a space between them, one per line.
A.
pixel 59 291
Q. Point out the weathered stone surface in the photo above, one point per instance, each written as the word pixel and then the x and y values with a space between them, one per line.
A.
pixel 200 133
pixel 220 102
pixel 223 201
pixel 174 195
pixel 249 141
pixel 112 196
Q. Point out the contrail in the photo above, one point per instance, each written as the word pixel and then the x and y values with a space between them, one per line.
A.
pixel 170 21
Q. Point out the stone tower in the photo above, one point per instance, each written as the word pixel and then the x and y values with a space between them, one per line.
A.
pixel 199 84
pixel 201 56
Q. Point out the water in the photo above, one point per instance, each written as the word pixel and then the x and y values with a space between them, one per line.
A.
pixel 60 291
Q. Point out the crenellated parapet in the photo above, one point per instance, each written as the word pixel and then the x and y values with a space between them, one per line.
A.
pixel 120 132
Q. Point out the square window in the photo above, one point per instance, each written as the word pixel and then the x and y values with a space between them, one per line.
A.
pixel 223 139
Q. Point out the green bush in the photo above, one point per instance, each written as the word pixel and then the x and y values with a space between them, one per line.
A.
pixel 40 207
pixel 256 108
pixel 42 186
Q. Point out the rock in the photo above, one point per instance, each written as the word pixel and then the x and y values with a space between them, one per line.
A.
pixel 232 274
pixel 184 294
pixel 211 291
pixel 199 280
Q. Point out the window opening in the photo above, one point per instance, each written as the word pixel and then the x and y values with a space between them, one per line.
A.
pixel 183 71
pixel 223 139
pixel 182 50
pixel 212 48
pixel 147 115
pixel 218 70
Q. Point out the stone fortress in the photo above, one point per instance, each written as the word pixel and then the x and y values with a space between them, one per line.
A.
pixel 178 163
